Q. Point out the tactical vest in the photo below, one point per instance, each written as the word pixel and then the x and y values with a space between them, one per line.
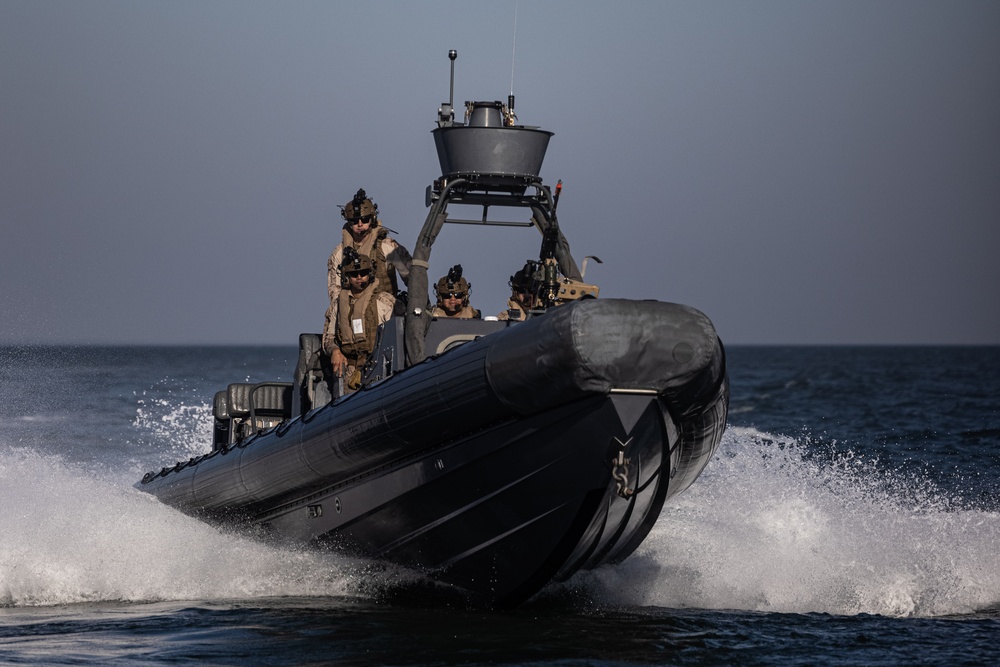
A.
pixel 357 346
pixel 372 246
pixel 515 307
pixel 465 314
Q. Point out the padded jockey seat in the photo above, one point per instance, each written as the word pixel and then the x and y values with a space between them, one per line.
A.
pixel 256 407
pixel 222 431
pixel 311 390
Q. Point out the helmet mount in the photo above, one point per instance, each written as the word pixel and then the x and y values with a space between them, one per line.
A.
pixel 360 206
pixel 453 284
pixel 355 263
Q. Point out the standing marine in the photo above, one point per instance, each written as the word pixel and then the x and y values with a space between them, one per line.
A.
pixel 364 232
pixel 353 321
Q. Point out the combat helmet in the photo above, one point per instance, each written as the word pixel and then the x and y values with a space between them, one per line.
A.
pixel 521 281
pixel 354 262
pixel 453 283
pixel 359 207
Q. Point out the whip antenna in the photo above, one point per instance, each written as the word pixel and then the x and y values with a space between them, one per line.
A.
pixel 513 51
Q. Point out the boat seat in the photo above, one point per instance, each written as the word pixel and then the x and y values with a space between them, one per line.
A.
pixel 311 390
pixel 256 407
pixel 445 333
pixel 389 354
pixel 315 384
pixel 221 432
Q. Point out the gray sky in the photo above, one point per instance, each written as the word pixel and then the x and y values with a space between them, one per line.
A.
pixel 802 171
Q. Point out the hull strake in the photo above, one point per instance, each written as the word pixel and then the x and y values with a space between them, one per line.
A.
pixel 529 453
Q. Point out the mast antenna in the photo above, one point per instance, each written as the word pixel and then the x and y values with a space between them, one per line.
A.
pixel 513 51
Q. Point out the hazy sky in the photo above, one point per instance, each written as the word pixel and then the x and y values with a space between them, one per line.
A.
pixel 801 171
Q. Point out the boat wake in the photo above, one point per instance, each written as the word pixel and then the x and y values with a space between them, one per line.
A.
pixel 183 428
pixel 773 527
pixel 769 527
pixel 72 537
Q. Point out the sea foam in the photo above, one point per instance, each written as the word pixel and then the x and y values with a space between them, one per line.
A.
pixel 72 535
pixel 772 527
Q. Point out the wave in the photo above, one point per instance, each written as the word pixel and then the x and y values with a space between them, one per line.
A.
pixel 773 527
pixel 72 536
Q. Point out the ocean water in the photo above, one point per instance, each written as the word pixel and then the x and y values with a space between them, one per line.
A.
pixel 851 516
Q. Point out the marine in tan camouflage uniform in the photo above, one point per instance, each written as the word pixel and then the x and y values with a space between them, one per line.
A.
pixel 364 232
pixel 453 296
pixel 353 320
pixel 521 297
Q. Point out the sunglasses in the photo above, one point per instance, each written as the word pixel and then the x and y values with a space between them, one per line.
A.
pixel 453 295
pixel 356 274
pixel 365 219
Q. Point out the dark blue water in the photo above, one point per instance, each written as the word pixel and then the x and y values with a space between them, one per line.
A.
pixel 851 516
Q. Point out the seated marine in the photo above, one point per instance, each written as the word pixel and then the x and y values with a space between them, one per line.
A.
pixel 352 321
pixel 522 299
pixel 453 296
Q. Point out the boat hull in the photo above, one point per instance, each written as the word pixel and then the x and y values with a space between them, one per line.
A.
pixel 510 461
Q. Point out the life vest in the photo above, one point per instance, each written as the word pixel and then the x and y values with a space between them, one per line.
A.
pixel 371 246
pixel 356 331
pixel 515 311
pixel 466 313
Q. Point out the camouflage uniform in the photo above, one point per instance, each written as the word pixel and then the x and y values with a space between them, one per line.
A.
pixel 454 283
pixel 353 319
pixel 388 257
pixel 519 282
pixel 466 313
pixel 515 311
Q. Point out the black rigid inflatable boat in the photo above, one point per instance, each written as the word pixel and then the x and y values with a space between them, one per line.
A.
pixel 496 456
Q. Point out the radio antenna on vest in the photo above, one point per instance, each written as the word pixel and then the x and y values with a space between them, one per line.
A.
pixel 513 51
